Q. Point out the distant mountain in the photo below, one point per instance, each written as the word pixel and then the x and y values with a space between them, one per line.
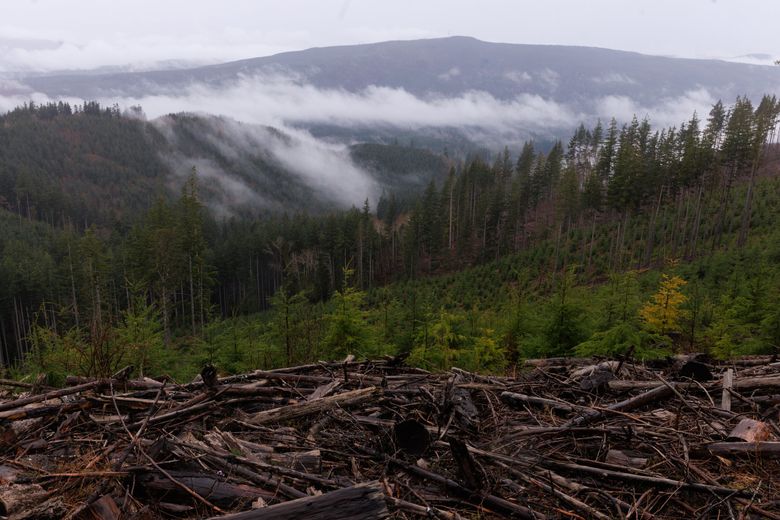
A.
pixel 450 67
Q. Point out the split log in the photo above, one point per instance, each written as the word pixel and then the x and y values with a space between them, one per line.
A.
pixel 749 430
pixel 309 461
pixel 360 502
pixel 728 383
pixel 254 477
pixel 626 459
pixel 324 390
pixel 296 411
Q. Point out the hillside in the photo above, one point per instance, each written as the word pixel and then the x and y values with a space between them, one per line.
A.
pixel 497 260
pixel 87 164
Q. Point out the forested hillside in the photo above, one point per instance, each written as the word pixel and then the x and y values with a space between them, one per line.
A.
pixel 625 239
pixel 86 164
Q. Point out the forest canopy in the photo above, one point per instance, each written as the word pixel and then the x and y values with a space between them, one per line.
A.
pixel 627 239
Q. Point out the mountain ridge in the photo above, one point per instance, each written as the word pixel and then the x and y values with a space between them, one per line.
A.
pixel 328 67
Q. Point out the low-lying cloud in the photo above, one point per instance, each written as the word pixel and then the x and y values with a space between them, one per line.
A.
pixel 237 178
pixel 281 100
pixel 290 104
pixel 668 111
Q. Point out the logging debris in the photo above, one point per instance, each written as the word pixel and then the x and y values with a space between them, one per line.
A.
pixel 561 438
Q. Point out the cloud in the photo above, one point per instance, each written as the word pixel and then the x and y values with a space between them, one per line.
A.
pixel 668 111
pixel 133 52
pixel 549 77
pixel 280 100
pixel 452 73
pixel 324 167
pixel 519 77
pixel 614 78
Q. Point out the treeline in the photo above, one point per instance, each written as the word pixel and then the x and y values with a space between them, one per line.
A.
pixel 77 165
pixel 544 226
pixel 682 178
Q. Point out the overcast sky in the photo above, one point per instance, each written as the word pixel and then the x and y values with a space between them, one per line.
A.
pixel 60 34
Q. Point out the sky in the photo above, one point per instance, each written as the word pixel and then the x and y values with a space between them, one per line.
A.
pixel 45 35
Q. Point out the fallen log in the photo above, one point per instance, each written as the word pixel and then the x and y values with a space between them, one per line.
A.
pixel 612 474
pixel 42 411
pixel 18 403
pixel 298 410
pixel 360 502
pixel 520 399
pixel 491 502
pixel 656 394
pixel 762 449
pixel 211 488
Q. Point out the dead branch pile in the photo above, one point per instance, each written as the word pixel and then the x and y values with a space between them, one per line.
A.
pixel 564 438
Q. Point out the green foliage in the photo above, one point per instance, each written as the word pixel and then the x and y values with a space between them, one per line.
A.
pixel 347 331
pixel 444 341
pixel 435 271
pixel 625 338
pixel 289 332
pixel 140 336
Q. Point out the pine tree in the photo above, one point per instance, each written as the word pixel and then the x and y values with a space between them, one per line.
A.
pixel 663 314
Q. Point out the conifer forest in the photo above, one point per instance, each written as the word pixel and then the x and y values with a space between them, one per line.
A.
pixel 341 260
pixel 625 237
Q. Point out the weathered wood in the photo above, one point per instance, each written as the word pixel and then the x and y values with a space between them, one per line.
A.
pixel 470 472
pixel 521 399
pixel 754 383
pixel 18 384
pixel 21 414
pixel 360 502
pixel 209 487
pixel 18 403
pixel 254 477
pixel 749 430
pixel 762 449
pixel 728 383
pixel 491 502
pixel 558 361
pixel 131 384
pixel 324 390
pixel 626 459
pixel 296 411
pixel 104 508
pixel 610 474
pixel 656 394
